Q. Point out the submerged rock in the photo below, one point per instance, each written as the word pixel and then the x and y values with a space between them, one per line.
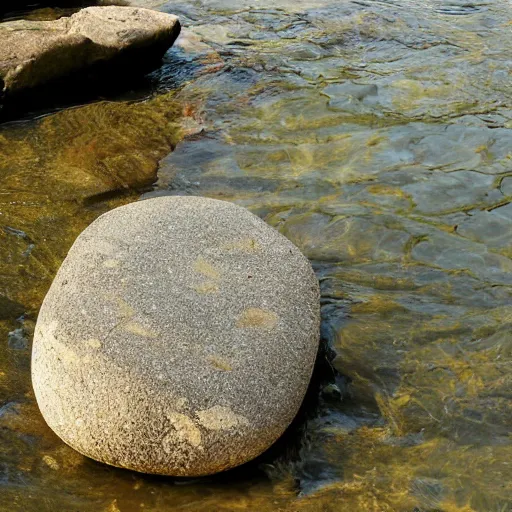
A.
pixel 92 41
pixel 178 337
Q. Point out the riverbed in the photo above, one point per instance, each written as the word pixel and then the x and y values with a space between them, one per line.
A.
pixel 375 135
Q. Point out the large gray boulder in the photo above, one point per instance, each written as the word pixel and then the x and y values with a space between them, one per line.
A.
pixel 35 53
pixel 178 337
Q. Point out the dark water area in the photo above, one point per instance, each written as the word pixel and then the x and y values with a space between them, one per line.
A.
pixel 47 10
pixel 26 9
pixel 376 136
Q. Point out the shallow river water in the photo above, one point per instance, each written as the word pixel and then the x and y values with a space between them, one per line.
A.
pixel 377 136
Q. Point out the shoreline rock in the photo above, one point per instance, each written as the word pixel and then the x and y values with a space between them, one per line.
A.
pixel 178 337
pixel 92 43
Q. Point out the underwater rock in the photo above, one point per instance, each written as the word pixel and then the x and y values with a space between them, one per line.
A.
pixel 178 337
pixel 92 42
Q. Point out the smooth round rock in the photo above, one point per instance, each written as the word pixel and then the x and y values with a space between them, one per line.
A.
pixel 178 337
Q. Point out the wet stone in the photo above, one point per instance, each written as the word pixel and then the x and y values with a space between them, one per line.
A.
pixel 17 340
pixel 449 191
pixel 506 186
pixel 492 228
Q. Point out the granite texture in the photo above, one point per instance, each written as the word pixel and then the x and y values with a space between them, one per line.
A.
pixel 35 53
pixel 178 337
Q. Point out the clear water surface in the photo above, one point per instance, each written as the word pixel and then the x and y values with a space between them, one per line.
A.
pixel 377 136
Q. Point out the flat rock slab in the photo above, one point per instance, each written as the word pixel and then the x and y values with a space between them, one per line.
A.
pixel 35 53
pixel 178 337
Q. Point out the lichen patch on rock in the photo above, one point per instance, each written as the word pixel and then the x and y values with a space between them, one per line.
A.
pixel 184 429
pixel 257 317
pixel 220 417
